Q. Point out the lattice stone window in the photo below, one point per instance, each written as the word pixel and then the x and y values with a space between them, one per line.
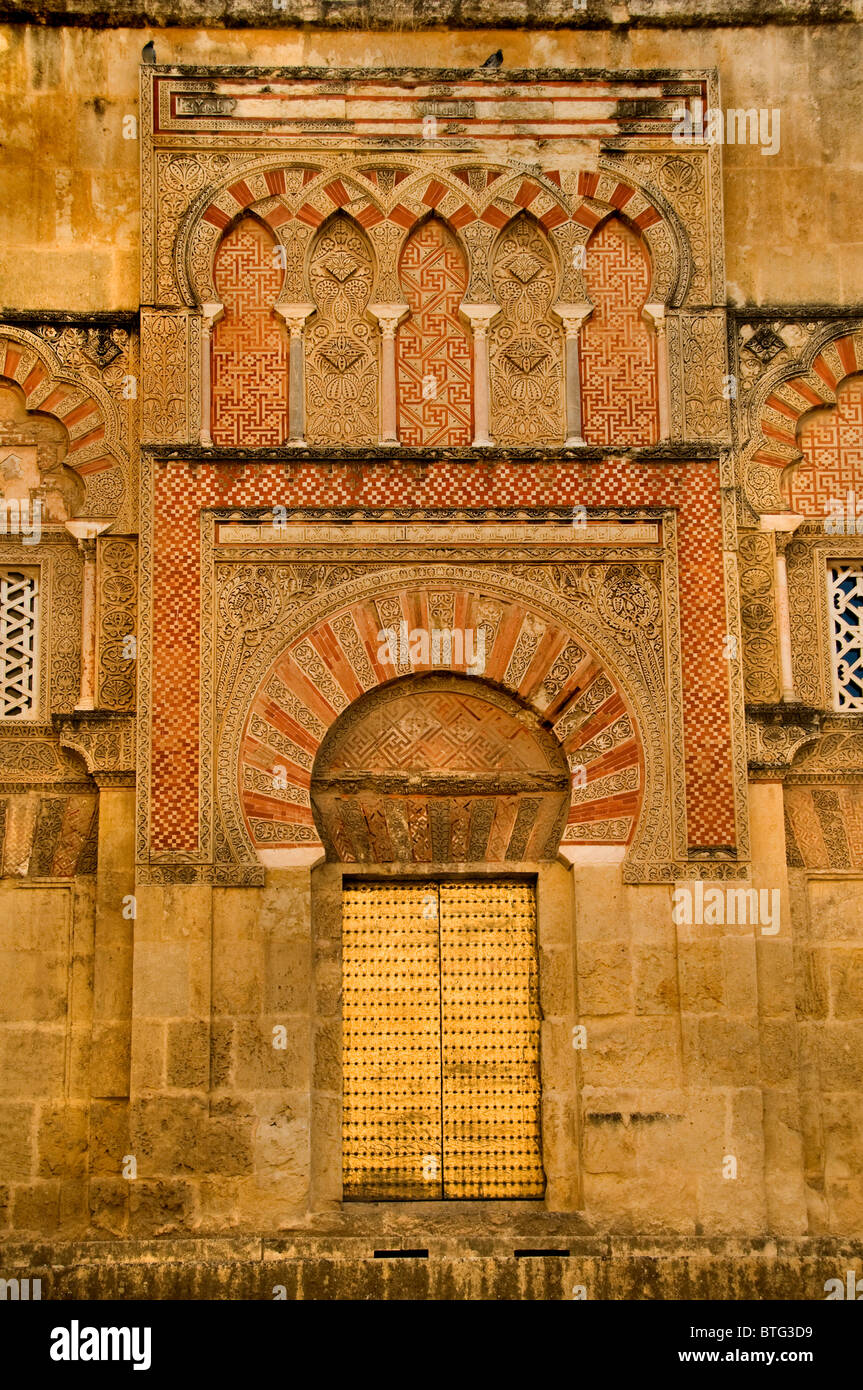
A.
pixel 19 590
pixel 845 585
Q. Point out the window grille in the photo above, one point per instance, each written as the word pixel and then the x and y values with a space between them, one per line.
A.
pixel 845 583
pixel 18 605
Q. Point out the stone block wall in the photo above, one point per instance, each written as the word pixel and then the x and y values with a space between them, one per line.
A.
pixel 46 967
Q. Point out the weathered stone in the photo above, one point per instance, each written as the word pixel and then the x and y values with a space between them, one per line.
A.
pixel 168 916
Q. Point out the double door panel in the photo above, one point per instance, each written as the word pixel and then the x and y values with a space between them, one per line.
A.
pixel 441 1041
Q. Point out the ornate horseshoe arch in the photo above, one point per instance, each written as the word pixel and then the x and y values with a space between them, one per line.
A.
pixel 90 417
pixel 783 397
pixel 580 664
pixel 614 189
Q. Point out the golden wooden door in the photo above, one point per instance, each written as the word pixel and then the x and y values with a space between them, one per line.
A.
pixel 441 1041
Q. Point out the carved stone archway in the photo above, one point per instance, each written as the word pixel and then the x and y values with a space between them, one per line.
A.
pixel 82 406
pixel 784 396
pixel 530 653
pixel 439 768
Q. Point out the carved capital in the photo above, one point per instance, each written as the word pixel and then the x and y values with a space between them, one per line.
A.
pixel 775 737
pixel 105 742
pixel 295 316
pixel 479 317
pixel 654 314
pixel 86 531
pixel 783 525
pixel 573 316
pixel 212 312
pixel 389 316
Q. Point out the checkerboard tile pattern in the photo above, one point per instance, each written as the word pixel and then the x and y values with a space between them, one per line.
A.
pixel 182 492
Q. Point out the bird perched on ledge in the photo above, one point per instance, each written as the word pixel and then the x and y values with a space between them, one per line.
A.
pixel 148 52
pixel 494 62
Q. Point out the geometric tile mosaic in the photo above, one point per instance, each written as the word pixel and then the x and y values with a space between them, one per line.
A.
pixel 249 355
pixel 617 350
pixel 434 357
pixel 832 465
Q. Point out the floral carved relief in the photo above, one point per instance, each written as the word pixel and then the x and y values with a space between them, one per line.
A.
pixel 341 358
pixel 526 355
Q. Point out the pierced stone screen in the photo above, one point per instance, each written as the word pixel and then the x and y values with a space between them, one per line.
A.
pixel 18 596
pixel 846 617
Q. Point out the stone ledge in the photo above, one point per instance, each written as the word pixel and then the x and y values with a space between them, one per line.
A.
pixel 406 15
pixel 337 1267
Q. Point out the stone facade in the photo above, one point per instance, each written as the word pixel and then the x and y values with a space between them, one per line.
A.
pixel 446 500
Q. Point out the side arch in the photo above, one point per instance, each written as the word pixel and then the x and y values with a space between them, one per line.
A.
pixel 611 189
pixel 85 410
pixel 293 200
pixel 784 397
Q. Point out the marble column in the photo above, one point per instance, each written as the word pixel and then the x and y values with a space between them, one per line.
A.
pixel 654 314
pixel 295 316
pixel 480 317
pixel 212 312
pixel 85 533
pixel 573 316
pixel 783 525
pixel 389 316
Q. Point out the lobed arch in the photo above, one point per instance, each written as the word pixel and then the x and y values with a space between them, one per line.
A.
pixel 264 190
pixel 619 398
pixel 772 454
pixel 605 193
pixel 305 194
pixel 249 350
pixel 86 411
pixel 581 683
